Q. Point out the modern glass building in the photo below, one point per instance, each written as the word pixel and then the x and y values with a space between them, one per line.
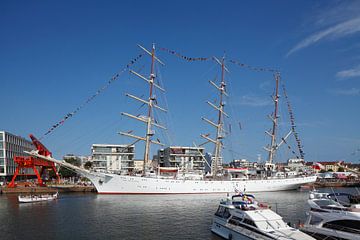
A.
pixel 10 146
pixel 113 158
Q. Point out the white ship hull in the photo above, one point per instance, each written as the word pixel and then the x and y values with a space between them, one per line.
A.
pixel 117 184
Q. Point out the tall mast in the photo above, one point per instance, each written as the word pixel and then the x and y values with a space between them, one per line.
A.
pixel 151 103
pixel 220 133
pixel 274 117
pixel 274 145
pixel 149 132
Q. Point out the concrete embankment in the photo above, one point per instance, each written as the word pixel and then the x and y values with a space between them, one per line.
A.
pixel 48 189
pixel 336 184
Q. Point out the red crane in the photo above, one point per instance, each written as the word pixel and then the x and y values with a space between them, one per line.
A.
pixel 34 163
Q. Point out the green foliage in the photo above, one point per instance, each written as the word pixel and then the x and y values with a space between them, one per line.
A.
pixel 341 169
pixel 88 165
pixel 65 172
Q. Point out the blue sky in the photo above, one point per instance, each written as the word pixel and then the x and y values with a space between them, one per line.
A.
pixel 56 54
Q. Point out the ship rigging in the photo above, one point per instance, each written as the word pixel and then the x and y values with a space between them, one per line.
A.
pixel 112 183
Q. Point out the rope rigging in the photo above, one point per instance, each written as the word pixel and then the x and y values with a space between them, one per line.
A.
pixel 293 126
pixel 91 98
pixel 159 82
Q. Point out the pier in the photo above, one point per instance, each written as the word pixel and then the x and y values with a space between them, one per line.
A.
pixel 47 189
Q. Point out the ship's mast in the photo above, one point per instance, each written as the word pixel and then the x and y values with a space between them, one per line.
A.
pixel 274 146
pixel 151 103
pixel 274 117
pixel 149 132
pixel 220 133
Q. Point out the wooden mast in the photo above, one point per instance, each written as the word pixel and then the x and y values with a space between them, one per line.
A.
pixel 151 103
pixel 217 160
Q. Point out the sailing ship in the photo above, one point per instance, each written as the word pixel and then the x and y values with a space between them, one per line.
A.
pixel 151 183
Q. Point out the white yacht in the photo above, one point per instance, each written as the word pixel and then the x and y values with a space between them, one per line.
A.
pixel 331 220
pixel 242 217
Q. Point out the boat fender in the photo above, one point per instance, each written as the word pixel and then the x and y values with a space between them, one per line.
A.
pixel 230 236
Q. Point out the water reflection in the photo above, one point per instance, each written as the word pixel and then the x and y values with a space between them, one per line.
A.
pixel 92 216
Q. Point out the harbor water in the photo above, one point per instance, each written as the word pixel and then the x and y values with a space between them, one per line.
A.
pixel 93 216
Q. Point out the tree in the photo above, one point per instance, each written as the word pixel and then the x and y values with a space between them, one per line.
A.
pixel 341 169
pixel 88 165
pixel 65 172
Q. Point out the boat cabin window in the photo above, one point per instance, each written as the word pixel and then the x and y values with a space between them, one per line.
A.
pixel 249 222
pixel 314 220
pixel 235 220
pixel 223 212
pixel 220 211
pixel 352 226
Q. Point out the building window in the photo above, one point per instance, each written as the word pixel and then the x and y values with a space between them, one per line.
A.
pixel 2 169
pixel 1 136
pixel 1 153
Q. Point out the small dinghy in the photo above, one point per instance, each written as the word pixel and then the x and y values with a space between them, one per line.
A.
pixel 37 198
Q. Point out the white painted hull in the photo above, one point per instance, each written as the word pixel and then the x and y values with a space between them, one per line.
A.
pixel 117 184
pixel 228 233
pixel 35 198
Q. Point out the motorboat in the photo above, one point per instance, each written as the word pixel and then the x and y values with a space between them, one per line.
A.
pixel 329 219
pixel 37 197
pixel 241 216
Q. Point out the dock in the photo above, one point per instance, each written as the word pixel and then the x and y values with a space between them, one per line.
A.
pixel 47 189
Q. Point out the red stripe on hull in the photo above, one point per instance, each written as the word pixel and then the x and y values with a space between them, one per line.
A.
pixel 134 193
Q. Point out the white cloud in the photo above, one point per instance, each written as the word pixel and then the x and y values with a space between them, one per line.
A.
pixel 318 123
pixel 254 101
pixel 353 72
pixel 339 30
pixel 347 92
pixel 333 12
pixel 265 85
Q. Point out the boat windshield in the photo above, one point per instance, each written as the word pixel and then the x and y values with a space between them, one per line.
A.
pixel 327 202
